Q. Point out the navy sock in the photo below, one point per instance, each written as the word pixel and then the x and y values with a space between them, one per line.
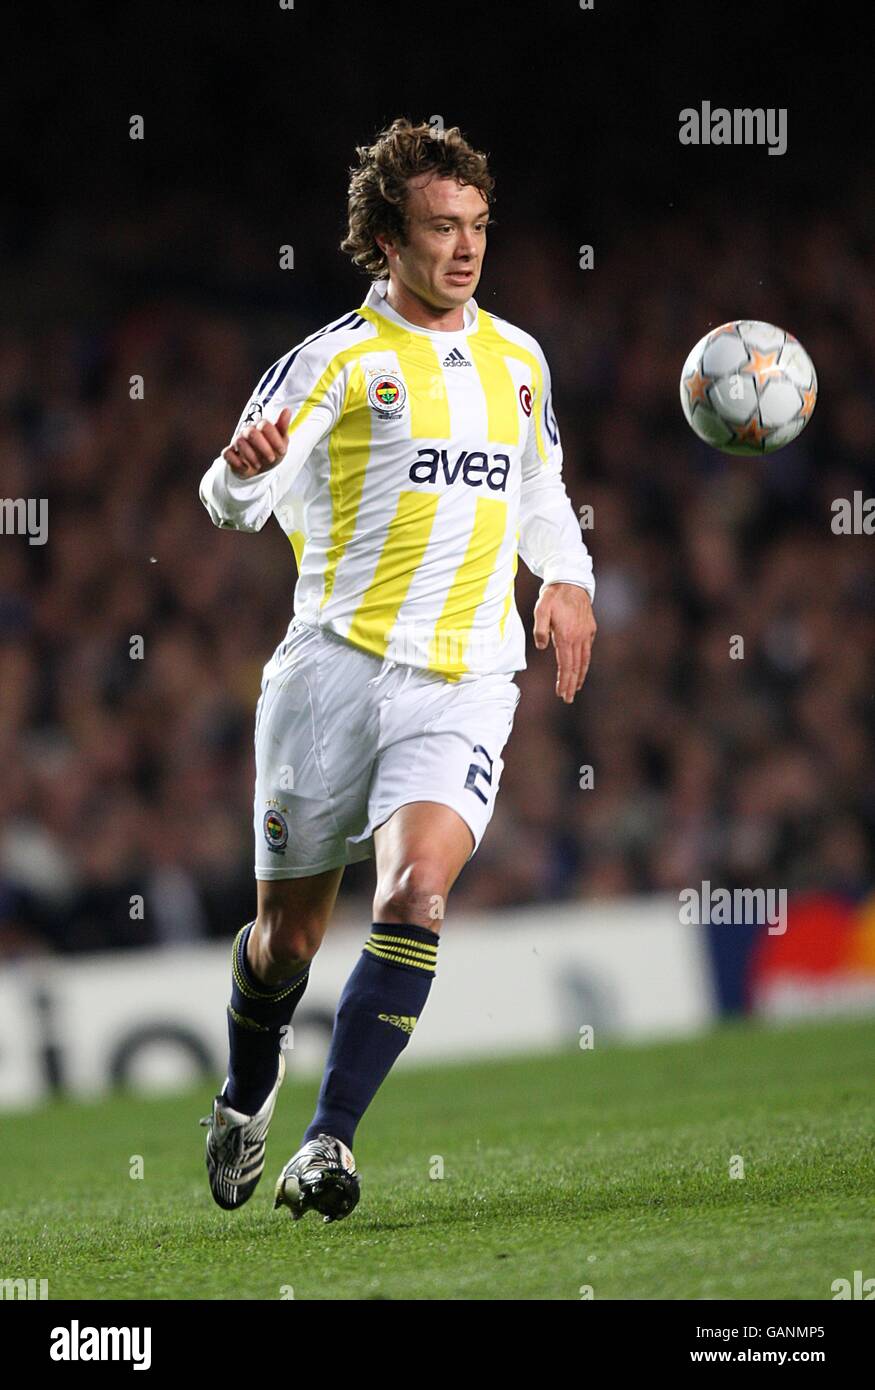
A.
pixel 256 1016
pixel 381 1002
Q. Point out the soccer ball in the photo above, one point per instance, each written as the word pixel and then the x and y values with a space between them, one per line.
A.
pixel 748 387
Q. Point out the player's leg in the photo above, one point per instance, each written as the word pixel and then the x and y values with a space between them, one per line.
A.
pixel 270 967
pixel 293 914
pixel 431 797
pixel 300 812
pixel 420 851
pixel 270 962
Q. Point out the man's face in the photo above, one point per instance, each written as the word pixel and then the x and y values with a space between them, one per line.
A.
pixel 446 241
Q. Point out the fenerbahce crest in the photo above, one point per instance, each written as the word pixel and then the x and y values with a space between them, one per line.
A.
pixel 386 394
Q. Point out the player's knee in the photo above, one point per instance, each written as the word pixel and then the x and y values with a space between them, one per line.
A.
pixel 416 892
pixel 285 939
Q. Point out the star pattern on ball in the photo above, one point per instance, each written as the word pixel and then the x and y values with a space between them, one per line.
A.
pixel 697 385
pixel 751 432
pixel 808 399
pixel 762 365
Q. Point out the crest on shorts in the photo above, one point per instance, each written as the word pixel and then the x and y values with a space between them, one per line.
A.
pixel 387 394
pixel 276 831
pixel 526 399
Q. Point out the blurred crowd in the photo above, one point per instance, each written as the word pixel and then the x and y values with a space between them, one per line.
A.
pixel 127 768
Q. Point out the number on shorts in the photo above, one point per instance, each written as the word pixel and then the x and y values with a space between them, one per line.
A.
pixel 474 769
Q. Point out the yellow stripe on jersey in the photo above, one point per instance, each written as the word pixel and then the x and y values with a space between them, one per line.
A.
pixel 400 558
pixel 350 441
pixel 453 628
pixel 330 374
pixel 418 359
pixel 349 449
pixel 297 539
pixel 488 353
pixel 509 597
pixel 488 347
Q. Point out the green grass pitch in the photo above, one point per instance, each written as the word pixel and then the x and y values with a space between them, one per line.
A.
pixel 608 1168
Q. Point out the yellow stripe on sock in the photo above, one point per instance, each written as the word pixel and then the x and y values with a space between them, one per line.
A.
pixel 387 939
pixel 428 954
pixel 400 958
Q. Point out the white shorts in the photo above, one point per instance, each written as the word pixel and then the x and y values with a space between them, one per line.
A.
pixel 342 739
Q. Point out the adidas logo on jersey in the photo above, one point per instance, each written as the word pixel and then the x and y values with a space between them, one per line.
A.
pixel 455 359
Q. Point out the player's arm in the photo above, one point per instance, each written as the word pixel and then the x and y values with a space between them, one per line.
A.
pixel 276 433
pixel 553 549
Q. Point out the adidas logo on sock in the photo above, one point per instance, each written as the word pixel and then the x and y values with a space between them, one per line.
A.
pixel 402 1021
pixel 455 359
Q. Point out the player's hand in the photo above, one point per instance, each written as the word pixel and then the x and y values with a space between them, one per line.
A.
pixel 259 447
pixel 564 613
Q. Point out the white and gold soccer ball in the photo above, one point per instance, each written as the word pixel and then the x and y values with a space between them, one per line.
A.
pixel 748 387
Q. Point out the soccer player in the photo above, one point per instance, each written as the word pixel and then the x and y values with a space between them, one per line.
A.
pixel 410 452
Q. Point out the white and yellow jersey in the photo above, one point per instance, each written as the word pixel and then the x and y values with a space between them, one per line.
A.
pixel 420 464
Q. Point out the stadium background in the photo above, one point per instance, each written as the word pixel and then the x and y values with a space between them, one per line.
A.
pixel 160 258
